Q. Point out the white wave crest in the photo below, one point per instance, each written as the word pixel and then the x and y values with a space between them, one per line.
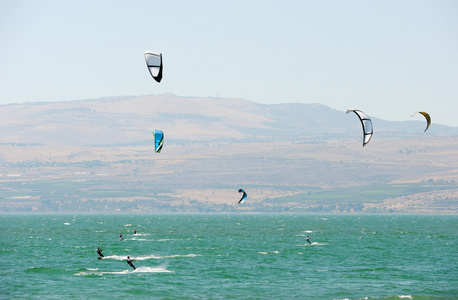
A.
pixel 140 239
pixel 159 269
pixel 124 257
pixel 146 257
pixel 151 270
pixel 269 252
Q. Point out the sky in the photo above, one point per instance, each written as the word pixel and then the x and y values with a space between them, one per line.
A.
pixel 387 58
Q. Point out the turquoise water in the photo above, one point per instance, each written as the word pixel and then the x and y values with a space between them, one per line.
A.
pixel 229 256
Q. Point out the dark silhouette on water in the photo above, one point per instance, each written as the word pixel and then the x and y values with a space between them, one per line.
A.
pixel 99 252
pixel 308 240
pixel 129 262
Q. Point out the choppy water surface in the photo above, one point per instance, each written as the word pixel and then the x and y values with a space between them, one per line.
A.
pixel 230 256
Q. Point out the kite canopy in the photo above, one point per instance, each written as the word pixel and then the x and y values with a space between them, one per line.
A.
pixel 366 123
pixel 158 140
pixel 243 196
pixel 427 117
pixel 154 64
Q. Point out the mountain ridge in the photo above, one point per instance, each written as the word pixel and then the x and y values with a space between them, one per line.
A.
pixel 132 118
pixel 97 156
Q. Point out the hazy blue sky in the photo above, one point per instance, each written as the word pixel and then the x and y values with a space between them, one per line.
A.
pixel 387 58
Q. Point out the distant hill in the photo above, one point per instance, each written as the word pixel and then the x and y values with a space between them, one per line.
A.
pixel 97 156
pixel 115 121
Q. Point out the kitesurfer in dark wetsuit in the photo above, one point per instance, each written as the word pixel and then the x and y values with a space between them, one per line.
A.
pixel 99 252
pixel 308 240
pixel 120 237
pixel 129 262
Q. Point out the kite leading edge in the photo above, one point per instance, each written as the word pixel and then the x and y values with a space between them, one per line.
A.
pixel 158 140
pixel 243 196
pixel 427 117
pixel 154 64
pixel 366 123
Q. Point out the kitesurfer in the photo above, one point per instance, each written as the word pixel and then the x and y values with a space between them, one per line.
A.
pixel 135 231
pixel 129 262
pixel 99 252
pixel 120 237
pixel 308 240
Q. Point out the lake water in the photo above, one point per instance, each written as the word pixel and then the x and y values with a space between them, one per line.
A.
pixel 229 256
